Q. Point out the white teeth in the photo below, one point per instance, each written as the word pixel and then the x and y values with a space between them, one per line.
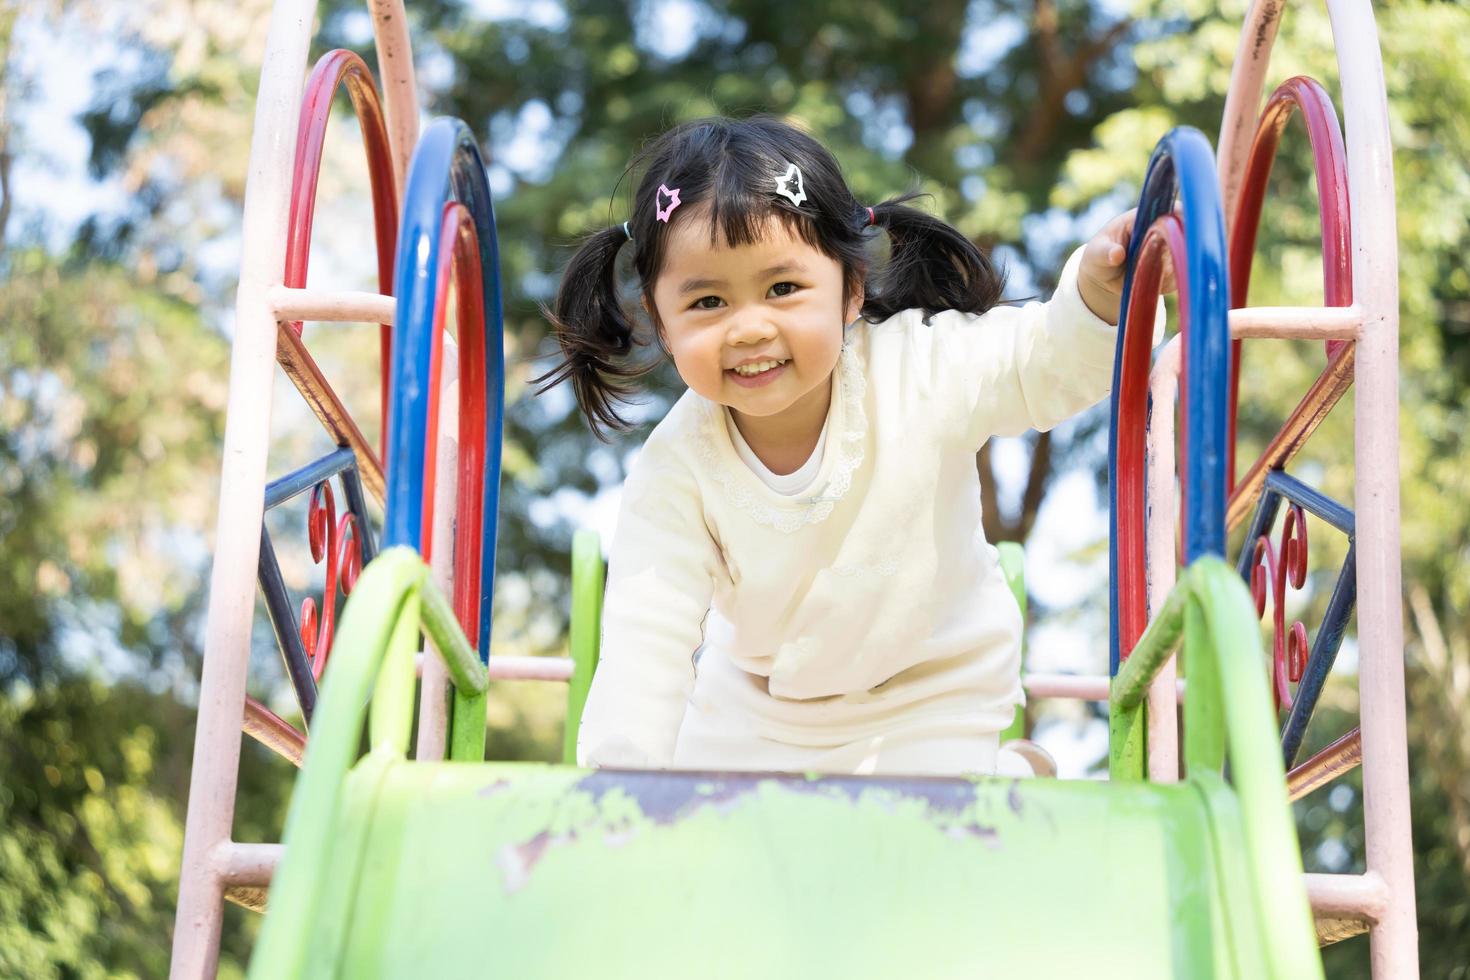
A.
pixel 759 367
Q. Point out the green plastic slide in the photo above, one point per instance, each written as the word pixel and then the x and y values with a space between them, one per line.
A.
pixel 466 868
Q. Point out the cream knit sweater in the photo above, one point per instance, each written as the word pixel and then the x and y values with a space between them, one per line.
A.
pixel 864 616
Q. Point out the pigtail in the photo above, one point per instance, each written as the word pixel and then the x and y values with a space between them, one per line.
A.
pixel 595 334
pixel 931 267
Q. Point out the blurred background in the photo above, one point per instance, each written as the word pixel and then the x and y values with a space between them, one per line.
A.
pixel 124 132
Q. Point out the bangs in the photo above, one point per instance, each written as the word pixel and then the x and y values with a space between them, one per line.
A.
pixel 743 218
pixel 736 216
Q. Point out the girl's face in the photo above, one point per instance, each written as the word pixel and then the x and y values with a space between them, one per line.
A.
pixel 757 328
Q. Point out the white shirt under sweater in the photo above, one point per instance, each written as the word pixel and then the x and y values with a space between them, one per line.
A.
pixel 863 625
pixel 786 484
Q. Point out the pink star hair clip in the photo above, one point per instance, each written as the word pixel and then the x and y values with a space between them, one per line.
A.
pixel 662 213
pixel 785 183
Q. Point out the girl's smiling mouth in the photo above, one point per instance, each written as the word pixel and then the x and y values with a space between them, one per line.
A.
pixel 756 374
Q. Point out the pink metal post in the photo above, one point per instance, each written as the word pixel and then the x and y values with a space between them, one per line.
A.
pixel 1384 895
pixel 434 686
pixel 1163 700
pixel 211 860
pixel 242 495
pixel 396 82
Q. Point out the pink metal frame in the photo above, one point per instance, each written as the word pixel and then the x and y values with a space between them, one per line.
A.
pixel 1361 289
pixel 1359 325
pixel 212 861
pixel 337 544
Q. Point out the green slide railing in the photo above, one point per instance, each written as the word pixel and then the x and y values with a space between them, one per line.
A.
pixel 588 574
pixel 1226 713
pixel 394 600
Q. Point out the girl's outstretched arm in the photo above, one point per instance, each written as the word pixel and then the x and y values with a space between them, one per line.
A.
pixel 1016 368
pixel 661 575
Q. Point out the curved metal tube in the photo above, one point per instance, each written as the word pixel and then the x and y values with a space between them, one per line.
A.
pixel 448 199
pixel 1329 159
pixel 1227 714
pixel 1182 169
pixel 334 69
pixel 395 600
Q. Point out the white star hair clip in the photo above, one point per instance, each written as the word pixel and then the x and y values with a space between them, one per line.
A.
pixel 784 185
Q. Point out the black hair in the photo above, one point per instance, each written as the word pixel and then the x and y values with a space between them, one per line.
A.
pixel 730 165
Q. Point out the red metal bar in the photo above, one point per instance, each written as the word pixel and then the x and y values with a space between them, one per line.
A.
pixel 344 68
pixel 336 543
pixel 273 731
pixel 459 263
pixel 1330 161
pixel 1164 239
pixel 1342 756
pixel 302 369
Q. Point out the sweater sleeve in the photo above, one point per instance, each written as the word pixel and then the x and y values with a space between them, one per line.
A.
pixel 661 575
pixel 1026 367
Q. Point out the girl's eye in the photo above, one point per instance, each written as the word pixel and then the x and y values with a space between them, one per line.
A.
pixel 780 289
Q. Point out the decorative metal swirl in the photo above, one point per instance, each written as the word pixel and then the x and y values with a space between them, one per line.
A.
pixel 337 543
pixel 1273 570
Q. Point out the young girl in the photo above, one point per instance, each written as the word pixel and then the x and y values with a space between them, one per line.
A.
pixel 807 516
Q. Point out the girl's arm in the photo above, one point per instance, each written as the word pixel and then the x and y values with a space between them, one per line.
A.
pixel 1033 366
pixel 661 575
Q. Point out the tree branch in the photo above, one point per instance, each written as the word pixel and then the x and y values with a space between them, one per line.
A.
pixel 1037 479
pixel 5 161
pixel 997 526
pixel 991 521
pixel 1060 74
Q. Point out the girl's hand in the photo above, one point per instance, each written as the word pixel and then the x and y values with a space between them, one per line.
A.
pixel 1100 279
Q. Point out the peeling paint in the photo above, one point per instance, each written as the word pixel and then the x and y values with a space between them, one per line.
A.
pixel 616 807
pixel 516 861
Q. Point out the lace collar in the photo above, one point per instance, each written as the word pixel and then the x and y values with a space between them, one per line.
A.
pixel 847 430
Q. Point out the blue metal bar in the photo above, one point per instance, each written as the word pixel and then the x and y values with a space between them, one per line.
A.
pixel 1311 500
pixel 1265 518
pixel 446 167
pixel 288 486
pixel 357 504
pixel 283 623
pixel 341 463
pixel 1279 486
pixel 1322 657
pixel 1183 168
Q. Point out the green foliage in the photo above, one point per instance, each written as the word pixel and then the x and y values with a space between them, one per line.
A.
pixel 111 412
pixel 91 828
pixel 88 846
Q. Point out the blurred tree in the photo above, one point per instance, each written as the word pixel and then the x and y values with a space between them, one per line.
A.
pixel 90 828
pixel 111 396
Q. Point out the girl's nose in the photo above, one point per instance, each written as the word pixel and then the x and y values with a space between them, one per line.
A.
pixel 752 327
